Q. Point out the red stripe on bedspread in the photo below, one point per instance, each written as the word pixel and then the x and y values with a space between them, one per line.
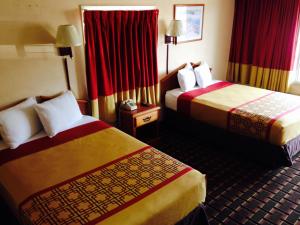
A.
pixel 46 142
pixel 270 124
pixel 185 99
pixel 256 117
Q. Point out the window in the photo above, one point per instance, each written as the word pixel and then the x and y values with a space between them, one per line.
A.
pixel 296 72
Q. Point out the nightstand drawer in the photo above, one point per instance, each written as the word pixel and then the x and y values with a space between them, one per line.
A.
pixel 130 121
pixel 146 118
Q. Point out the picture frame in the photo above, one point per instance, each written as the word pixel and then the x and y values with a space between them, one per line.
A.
pixel 192 16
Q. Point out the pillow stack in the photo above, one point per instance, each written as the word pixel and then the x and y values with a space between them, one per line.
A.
pixel 21 122
pixel 189 77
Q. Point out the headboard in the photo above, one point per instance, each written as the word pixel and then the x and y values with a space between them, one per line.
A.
pixel 170 81
pixel 83 104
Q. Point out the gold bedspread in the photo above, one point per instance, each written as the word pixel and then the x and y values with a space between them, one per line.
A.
pixel 103 177
pixel 256 112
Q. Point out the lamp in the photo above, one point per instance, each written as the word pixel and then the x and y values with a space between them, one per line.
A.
pixel 67 37
pixel 174 30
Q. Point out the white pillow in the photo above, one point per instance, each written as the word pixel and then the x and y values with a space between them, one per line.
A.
pixel 19 123
pixel 203 75
pixel 59 113
pixel 186 78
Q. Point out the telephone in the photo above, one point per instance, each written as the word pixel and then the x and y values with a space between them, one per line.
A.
pixel 128 104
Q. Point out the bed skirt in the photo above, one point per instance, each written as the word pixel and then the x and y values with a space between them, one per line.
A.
pixel 196 217
pixel 260 151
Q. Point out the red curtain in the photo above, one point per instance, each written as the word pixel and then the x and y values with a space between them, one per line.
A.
pixel 263 42
pixel 121 58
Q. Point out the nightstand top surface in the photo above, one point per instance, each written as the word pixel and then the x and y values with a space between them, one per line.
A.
pixel 141 110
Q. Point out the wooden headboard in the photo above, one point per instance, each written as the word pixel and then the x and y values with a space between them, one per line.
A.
pixel 84 105
pixel 170 81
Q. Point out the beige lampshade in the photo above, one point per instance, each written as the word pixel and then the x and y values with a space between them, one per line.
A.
pixel 175 28
pixel 67 36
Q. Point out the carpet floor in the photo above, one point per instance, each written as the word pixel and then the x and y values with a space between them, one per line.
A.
pixel 240 191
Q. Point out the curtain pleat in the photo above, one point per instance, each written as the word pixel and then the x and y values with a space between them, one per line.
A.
pixel 121 59
pixel 263 43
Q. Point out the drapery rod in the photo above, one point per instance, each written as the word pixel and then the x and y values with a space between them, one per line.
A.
pixel 113 8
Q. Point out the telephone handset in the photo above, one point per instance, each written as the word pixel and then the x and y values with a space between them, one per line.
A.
pixel 128 104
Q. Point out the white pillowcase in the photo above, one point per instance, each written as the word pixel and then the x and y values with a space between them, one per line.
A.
pixel 19 123
pixel 58 114
pixel 203 75
pixel 186 78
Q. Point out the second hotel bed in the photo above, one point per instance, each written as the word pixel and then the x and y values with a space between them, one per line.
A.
pixel 268 116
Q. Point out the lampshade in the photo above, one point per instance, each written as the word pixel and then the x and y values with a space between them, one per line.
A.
pixel 175 28
pixel 67 36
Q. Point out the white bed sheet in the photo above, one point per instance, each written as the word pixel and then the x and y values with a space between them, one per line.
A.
pixel 85 119
pixel 172 96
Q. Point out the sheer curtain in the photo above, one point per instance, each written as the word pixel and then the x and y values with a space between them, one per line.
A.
pixel 121 59
pixel 296 74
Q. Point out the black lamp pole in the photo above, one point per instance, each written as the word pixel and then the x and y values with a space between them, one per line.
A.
pixel 66 52
pixel 168 40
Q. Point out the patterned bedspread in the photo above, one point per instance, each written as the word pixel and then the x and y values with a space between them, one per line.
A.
pixel 92 179
pixel 255 118
pixel 255 112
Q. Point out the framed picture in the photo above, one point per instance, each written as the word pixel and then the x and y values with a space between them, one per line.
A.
pixel 191 16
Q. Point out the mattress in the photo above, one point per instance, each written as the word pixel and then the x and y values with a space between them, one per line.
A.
pixel 84 176
pixel 263 114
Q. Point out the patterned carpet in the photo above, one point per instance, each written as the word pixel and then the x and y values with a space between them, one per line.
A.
pixel 239 191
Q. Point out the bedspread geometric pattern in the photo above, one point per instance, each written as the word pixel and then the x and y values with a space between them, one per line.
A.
pixel 255 118
pixel 102 192
pixel 259 113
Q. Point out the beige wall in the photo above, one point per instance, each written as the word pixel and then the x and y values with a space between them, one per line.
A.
pixel 26 23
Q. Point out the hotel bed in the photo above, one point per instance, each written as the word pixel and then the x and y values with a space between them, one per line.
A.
pixel 264 115
pixel 93 173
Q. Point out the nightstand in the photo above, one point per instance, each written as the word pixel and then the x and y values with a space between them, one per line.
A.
pixel 143 115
